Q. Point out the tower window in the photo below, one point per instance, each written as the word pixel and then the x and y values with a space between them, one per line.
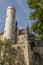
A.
pixel 13 22
pixel 13 26
pixel 13 16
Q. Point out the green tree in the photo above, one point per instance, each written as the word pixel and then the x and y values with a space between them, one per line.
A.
pixel 10 55
pixel 37 16
pixel 7 53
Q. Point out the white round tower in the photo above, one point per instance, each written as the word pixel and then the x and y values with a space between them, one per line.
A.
pixel 9 31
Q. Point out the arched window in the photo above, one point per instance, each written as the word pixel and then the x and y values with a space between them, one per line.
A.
pixel 32 45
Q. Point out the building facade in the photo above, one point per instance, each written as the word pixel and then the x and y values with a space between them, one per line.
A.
pixel 22 39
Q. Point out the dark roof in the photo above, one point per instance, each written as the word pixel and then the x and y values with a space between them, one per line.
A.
pixel 23 31
pixel 1 33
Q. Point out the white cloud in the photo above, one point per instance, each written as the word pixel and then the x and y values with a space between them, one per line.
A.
pixel 19 2
pixel 20 27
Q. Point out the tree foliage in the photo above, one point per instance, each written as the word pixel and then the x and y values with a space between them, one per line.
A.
pixel 10 55
pixel 36 15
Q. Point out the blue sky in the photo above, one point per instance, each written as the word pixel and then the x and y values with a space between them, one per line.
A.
pixel 22 12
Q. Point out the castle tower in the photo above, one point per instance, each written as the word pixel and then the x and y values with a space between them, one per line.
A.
pixel 9 30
